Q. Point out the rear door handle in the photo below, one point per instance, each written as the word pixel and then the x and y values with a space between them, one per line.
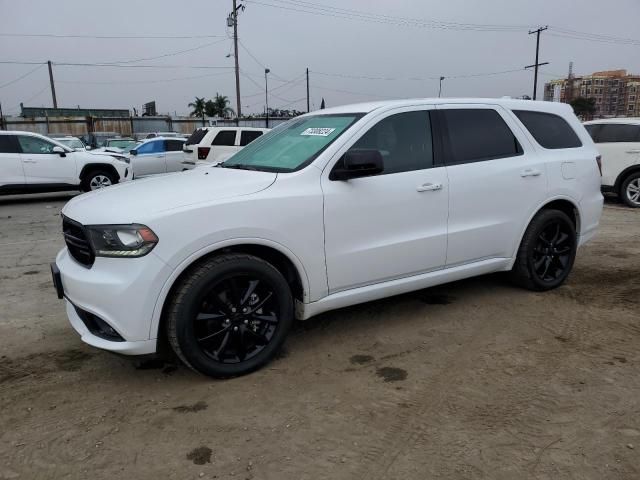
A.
pixel 29 161
pixel 530 172
pixel 429 187
pixel 633 151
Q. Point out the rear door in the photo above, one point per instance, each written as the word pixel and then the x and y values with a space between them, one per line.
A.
pixel 11 171
pixel 150 159
pixel 619 145
pixel 42 166
pixel 174 155
pixel 496 179
pixel 223 145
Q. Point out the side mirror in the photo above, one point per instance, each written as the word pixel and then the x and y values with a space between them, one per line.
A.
pixel 358 163
pixel 133 152
pixel 59 150
pixel 88 147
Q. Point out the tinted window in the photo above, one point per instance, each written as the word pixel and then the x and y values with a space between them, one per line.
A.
pixel 248 136
pixel 550 131
pixel 8 144
pixel 156 146
pixel 196 137
pixel 225 137
pixel 479 134
pixel 35 145
pixel 173 145
pixel 593 131
pixel 404 140
pixel 614 133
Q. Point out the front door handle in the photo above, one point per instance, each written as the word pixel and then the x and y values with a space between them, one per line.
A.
pixel 530 172
pixel 633 151
pixel 429 187
pixel 29 161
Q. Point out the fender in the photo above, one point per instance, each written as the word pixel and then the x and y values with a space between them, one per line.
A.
pixel 535 211
pixel 184 264
pixel 106 166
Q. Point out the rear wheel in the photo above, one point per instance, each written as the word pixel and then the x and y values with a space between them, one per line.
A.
pixel 547 252
pixel 96 179
pixel 630 190
pixel 230 315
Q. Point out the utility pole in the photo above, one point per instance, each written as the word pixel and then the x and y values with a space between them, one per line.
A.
pixel 440 89
pixel 537 64
pixel 233 18
pixel 307 90
pixel 266 95
pixel 1 118
pixel 53 87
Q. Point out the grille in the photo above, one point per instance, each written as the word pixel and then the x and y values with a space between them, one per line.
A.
pixel 77 242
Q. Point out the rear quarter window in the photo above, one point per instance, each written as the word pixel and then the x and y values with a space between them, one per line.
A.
pixel 617 133
pixel 549 130
pixel 196 137
pixel 9 144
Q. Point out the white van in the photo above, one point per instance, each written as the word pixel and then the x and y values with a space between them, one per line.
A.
pixel 216 144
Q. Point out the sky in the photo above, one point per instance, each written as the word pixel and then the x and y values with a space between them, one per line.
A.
pixel 356 50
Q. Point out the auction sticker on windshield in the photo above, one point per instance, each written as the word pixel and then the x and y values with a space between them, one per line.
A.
pixel 318 132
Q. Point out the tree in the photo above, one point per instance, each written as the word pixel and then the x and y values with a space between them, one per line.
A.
pixel 584 107
pixel 198 107
pixel 220 106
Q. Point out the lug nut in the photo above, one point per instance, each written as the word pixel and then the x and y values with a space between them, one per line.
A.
pixel 233 309
pixel 245 310
pixel 246 321
pixel 235 329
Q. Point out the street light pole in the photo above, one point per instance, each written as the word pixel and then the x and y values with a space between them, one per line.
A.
pixel 266 95
pixel 440 90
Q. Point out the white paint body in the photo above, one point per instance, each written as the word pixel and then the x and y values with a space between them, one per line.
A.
pixel 161 161
pixel 217 153
pixel 350 241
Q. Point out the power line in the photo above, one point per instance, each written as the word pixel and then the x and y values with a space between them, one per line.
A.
pixel 111 65
pixel 171 54
pixel 108 37
pixel 21 77
pixel 418 79
pixel 132 82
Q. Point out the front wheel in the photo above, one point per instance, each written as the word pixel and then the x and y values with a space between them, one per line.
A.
pixel 229 315
pixel 547 252
pixel 97 179
pixel 630 190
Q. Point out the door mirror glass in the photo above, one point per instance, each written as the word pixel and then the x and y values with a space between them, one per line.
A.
pixel 133 152
pixel 358 163
pixel 88 147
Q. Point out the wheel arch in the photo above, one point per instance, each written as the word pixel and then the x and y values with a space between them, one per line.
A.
pixel 285 261
pixel 562 203
pixel 623 175
pixel 89 167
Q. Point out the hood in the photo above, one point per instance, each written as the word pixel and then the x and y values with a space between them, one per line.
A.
pixel 135 201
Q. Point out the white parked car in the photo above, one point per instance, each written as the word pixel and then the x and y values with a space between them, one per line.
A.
pixel 216 144
pixel 618 140
pixel 30 162
pixel 333 208
pixel 69 141
pixel 157 155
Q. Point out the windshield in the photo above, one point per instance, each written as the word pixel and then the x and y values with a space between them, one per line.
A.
pixel 123 144
pixel 292 145
pixel 70 142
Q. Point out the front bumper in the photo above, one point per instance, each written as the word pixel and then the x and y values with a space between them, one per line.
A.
pixel 122 292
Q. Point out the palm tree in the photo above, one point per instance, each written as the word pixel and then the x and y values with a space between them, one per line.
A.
pixel 221 106
pixel 198 107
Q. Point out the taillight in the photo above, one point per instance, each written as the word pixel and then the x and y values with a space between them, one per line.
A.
pixel 203 153
pixel 599 162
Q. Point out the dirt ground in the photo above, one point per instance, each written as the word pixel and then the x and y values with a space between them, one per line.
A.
pixel 472 380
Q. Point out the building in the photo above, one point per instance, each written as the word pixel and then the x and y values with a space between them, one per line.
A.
pixel 615 92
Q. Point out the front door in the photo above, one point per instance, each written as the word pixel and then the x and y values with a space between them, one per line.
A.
pixel 496 180
pixel 42 166
pixel 393 224
pixel 174 155
pixel 150 159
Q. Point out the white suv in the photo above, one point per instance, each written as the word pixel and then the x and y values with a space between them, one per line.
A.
pixel 618 140
pixel 34 163
pixel 216 144
pixel 333 208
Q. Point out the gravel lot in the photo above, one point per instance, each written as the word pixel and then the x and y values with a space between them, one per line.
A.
pixel 470 380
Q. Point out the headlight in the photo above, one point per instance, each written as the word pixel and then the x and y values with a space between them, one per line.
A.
pixel 123 159
pixel 121 240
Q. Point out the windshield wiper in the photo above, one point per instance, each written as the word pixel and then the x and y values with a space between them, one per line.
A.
pixel 238 166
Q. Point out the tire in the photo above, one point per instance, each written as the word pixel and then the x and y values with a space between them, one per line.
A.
pixel 96 179
pixel 229 315
pixel 630 190
pixel 547 252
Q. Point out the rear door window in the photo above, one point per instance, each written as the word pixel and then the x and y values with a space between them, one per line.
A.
pixel 9 144
pixel 549 130
pixel 225 138
pixel 173 145
pixel 478 134
pixel 196 137
pixel 617 132
pixel 248 136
